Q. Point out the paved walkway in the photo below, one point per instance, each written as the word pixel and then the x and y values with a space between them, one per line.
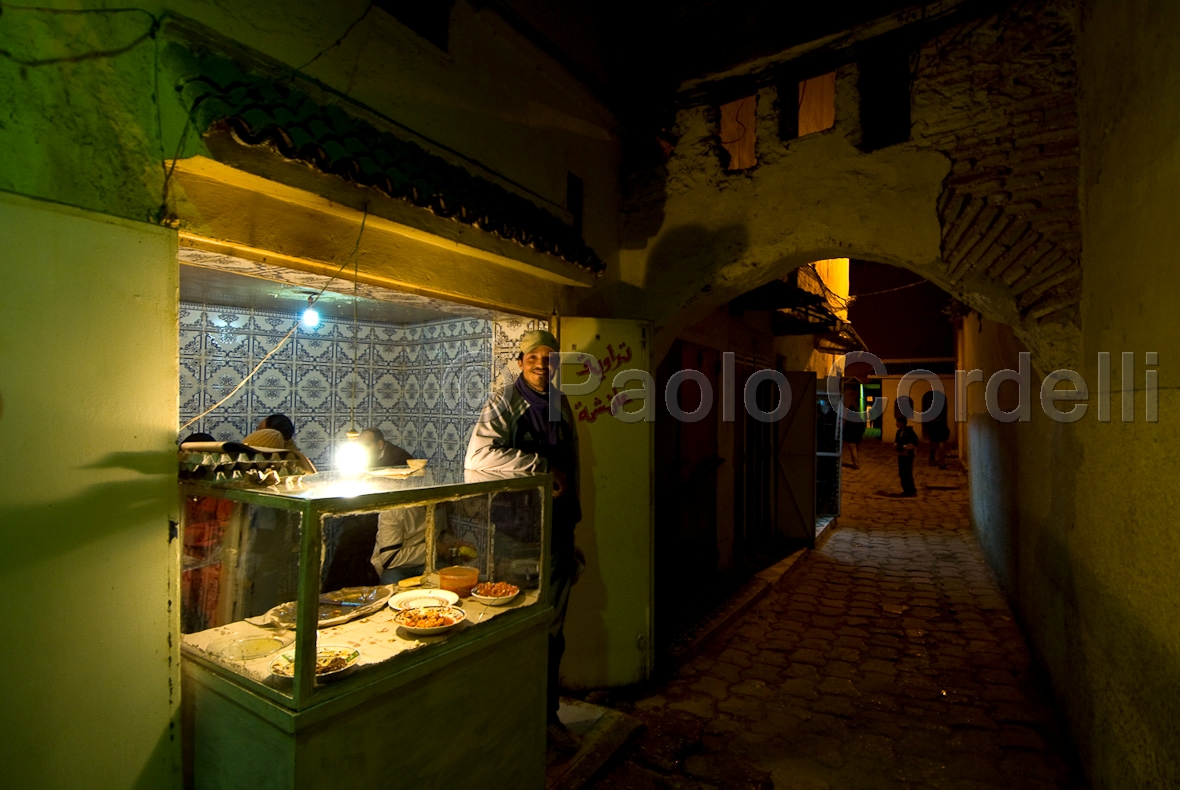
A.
pixel 887 659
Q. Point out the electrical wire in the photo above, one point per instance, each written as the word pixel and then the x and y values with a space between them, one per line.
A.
pixel 838 300
pixel 350 259
pixel 339 40
pixel 95 54
pixel 736 114
pixel 355 334
pixel 888 290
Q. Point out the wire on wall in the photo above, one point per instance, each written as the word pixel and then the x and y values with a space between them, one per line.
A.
pixel 338 41
pixel 94 54
pixel 352 258
pixel 888 290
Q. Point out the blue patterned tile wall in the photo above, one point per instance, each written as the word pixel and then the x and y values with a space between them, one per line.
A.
pixel 423 385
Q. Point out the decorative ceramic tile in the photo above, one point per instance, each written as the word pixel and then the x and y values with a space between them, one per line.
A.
pixel 506 333
pixel 271 389
pixel 271 322
pixel 219 379
pixel 386 333
pixel 429 354
pixel 318 347
pixel 409 438
pixel 387 354
pixel 411 390
pixel 226 343
pixel 386 392
pixel 342 423
pixel 449 441
pixel 465 438
pixel 228 319
pixel 229 429
pixel 192 317
pixel 313 388
pixel 451 390
pixel 192 342
pixel 351 391
pixel 430 391
pixel 423 385
pixel 476 388
pixel 428 438
pixel 263 343
pixel 314 438
pixel 191 389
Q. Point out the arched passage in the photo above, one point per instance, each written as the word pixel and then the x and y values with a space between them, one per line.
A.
pixel 699 235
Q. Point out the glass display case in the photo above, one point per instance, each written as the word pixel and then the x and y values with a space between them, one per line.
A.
pixel 302 590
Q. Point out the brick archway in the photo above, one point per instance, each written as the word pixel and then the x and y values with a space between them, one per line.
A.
pixel 981 201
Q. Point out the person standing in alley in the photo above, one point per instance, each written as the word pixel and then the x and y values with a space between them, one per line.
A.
pixel 854 421
pixel 934 426
pixel 516 433
pixel 906 443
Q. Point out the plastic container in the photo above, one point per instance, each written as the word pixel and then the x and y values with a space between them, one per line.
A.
pixel 459 579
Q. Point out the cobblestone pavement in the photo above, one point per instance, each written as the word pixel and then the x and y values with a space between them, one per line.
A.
pixel 886 659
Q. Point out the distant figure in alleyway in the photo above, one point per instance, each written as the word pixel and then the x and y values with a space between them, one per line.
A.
pixel 854 432
pixel 906 442
pixel 934 426
pixel 854 420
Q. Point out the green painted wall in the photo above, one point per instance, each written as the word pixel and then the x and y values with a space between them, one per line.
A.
pixel 87 131
pixel 88 393
pixel 1128 547
pixel 1080 521
pixel 82 130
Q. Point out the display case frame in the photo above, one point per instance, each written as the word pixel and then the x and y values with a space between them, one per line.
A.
pixel 323 495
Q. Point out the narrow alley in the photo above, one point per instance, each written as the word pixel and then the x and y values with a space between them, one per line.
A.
pixel 888 658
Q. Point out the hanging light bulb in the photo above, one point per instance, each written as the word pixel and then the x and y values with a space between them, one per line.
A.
pixel 311 317
pixel 352 457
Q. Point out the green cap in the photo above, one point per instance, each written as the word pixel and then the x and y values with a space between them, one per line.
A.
pixel 535 339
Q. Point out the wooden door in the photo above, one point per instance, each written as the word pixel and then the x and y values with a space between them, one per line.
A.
pixel 794 455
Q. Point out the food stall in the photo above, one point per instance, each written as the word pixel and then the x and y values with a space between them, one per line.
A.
pixel 288 684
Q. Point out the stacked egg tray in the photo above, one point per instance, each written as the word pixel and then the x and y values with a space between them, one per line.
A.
pixel 232 462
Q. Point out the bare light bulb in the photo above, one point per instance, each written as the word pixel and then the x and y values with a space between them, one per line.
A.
pixel 351 457
pixel 311 317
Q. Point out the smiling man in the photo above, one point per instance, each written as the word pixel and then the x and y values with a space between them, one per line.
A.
pixel 515 434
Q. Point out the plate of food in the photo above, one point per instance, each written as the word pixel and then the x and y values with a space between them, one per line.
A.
pixel 249 648
pixel 495 593
pixel 336 607
pixel 420 599
pixel 430 619
pixel 329 660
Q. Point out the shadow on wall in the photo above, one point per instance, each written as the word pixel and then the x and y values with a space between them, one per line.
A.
pixel 80 542
pixel 110 503
pixel 682 259
pixel 646 193
pixel 1115 679
pixel 691 252
pixel 590 595
pixel 994 496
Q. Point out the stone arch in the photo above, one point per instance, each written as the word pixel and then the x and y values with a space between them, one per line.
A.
pixel 981 201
